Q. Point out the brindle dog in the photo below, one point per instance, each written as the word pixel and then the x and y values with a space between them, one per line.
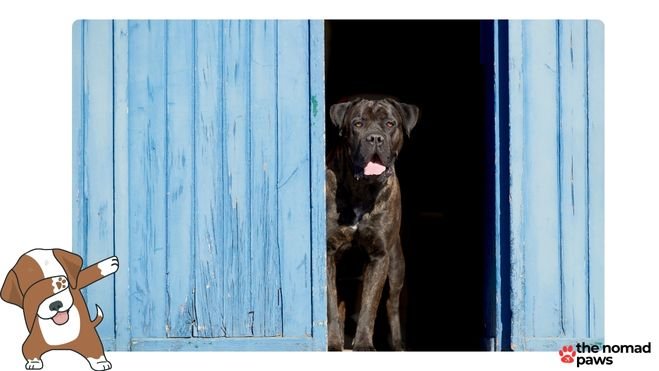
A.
pixel 364 211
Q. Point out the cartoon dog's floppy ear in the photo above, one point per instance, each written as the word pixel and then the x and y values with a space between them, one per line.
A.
pixel 71 263
pixel 11 292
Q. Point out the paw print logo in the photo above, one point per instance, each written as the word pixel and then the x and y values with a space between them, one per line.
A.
pixel 567 354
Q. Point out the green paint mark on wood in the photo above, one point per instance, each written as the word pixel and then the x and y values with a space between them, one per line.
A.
pixel 314 106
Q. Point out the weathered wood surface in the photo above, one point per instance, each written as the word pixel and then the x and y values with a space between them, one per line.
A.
pixel 192 162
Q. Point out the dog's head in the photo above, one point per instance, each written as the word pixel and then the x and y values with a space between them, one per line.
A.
pixel 40 284
pixel 374 131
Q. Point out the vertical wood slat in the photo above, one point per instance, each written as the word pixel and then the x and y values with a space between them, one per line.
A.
pixel 293 176
pixel 98 242
pixel 265 279
pixel 180 175
pixel 595 91
pixel 499 205
pixel 121 191
pixel 147 174
pixel 317 153
pixel 78 142
pixel 517 158
pixel 210 287
pixel 501 185
pixel 541 193
pixel 573 149
pixel 235 137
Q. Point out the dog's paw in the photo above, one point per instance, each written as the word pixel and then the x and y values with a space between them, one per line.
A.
pixel 334 346
pixel 363 348
pixel 34 364
pixel 109 266
pixel 398 346
pixel 99 364
pixel 335 335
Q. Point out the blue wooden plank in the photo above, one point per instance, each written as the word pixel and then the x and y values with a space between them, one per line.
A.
pixel 595 92
pixel 235 344
pixel 98 154
pixel 317 153
pixel 180 175
pixel 498 138
pixel 517 242
pixel 501 111
pixel 293 175
pixel 79 107
pixel 209 183
pixel 121 192
pixel 540 176
pixel 236 133
pixel 573 153
pixel 265 279
pixel 147 176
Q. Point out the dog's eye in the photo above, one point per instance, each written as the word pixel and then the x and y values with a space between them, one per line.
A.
pixel 358 124
pixel 390 124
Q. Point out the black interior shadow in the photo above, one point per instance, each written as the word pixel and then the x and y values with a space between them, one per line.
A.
pixel 442 170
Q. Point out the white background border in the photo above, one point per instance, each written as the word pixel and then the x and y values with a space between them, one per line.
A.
pixel 36 163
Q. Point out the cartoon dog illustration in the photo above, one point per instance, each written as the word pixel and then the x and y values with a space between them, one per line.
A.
pixel 46 284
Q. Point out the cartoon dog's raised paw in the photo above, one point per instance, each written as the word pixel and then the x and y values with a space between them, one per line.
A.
pixel 109 265
pixel 34 364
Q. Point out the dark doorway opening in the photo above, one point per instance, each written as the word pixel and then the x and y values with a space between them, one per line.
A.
pixel 445 171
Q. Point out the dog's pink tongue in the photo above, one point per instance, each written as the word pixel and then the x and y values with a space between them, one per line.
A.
pixel 373 168
pixel 61 318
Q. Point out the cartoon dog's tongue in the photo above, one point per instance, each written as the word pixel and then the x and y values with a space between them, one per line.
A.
pixel 373 168
pixel 61 318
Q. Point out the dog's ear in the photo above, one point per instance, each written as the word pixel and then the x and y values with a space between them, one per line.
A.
pixel 71 263
pixel 338 113
pixel 11 292
pixel 409 113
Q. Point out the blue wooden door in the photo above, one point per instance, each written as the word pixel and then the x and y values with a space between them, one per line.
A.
pixel 199 162
pixel 550 197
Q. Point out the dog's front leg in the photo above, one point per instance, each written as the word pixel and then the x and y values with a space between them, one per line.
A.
pixel 32 351
pixel 335 336
pixel 339 239
pixel 375 275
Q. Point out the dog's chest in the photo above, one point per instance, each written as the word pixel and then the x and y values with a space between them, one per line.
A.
pixel 352 213
pixel 55 335
pixel 353 204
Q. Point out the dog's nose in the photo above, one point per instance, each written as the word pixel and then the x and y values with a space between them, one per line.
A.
pixel 375 139
pixel 55 306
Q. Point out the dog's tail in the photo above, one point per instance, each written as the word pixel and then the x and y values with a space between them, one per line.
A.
pixel 99 316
